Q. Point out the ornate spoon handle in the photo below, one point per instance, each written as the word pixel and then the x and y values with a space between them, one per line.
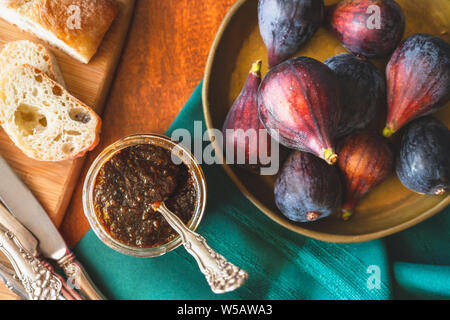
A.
pixel 222 276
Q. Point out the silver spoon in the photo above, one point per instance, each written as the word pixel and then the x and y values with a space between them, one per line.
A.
pixel 222 276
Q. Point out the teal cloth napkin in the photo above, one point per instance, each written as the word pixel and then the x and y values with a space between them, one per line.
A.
pixel 414 264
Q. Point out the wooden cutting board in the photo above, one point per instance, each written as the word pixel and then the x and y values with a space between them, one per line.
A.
pixel 53 183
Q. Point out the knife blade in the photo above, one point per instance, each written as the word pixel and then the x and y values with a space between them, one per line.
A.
pixel 27 209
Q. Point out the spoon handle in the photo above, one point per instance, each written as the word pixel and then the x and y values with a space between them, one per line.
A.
pixel 222 276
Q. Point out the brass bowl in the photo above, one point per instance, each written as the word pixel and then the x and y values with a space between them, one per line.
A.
pixel 390 207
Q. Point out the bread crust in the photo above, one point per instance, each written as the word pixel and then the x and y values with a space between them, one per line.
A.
pixel 55 16
pixel 94 144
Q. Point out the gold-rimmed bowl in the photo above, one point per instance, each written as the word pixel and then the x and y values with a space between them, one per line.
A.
pixel 390 207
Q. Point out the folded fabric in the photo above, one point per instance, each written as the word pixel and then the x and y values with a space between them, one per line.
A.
pixel 281 264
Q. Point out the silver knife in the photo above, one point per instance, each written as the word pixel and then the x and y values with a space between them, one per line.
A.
pixel 28 211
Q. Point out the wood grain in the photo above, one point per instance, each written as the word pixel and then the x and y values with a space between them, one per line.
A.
pixel 162 63
pixel 53 183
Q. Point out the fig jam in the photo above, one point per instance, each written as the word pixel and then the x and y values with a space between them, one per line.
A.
pixel 130 182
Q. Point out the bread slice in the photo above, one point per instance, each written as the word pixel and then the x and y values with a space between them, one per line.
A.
pixel 43 119
pixel 74 26
pixel 17 53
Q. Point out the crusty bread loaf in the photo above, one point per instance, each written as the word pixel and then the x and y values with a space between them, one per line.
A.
pixel 17 53
pixel 43 119
pixel 74 26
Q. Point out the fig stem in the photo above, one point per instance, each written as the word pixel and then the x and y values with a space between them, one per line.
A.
pixel 387 132
pixel 330 156
pixel 312 216
pixel 346 214
pixel 256 67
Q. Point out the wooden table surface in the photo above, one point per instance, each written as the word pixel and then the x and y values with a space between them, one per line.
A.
pixel 162 63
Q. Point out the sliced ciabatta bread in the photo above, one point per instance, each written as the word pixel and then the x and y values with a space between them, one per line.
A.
pixel 17 53
pixel 74 26
pixel 43 119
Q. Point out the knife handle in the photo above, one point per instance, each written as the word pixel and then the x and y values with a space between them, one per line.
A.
pixel 78 278
pixel 39 282
pixel 38 278
pixel 12 282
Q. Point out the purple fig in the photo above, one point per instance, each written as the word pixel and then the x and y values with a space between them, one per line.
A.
pixel 363 91
pixel 286 25
pixel 423 159
pixel 370 28
pixel 307 189
pixel 365 160
pixel 243 132
pixel 299 104
pixel 418 80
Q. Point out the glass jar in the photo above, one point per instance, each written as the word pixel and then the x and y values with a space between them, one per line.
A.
pixel 177 150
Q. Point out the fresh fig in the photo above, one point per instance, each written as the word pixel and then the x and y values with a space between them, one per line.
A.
pixel 307 189
pixel 365 159
pixel 299 104
pixel 242 131
pixel 370 28
pixel 363 89
pixel 285 25
pixel 423 160
pixel 418 80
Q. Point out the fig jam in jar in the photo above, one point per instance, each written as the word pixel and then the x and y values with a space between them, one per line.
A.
pixel 130 183
pixel 124 182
